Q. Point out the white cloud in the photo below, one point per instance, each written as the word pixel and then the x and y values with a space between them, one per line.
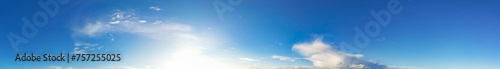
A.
pixel 142 21
pixel 155 8
pixel 91 29
pixel 283 58
pixel 126 21
pixel 121 15
pixel 115 22
pixel 181 35
pixel 77 50
pixel 84 44
pixel 83 48
pixel 157 22
pixel 323 56
pixel 100 47
pixel 248 59
pixel 123 22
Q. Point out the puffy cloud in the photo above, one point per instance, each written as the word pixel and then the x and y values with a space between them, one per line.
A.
pixel 283 58
pixel 323 56
pixel 320 54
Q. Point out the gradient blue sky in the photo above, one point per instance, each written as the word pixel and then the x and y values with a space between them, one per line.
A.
pixel 458 34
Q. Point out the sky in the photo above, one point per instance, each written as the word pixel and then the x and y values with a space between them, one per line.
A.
pixel 254 34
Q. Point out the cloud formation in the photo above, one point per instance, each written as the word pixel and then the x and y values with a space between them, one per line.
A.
pixel 83 48
pixel 248 59
pixel 155 8
pixel 323 56
pixel 283 58
pixel 181 37
pixel 91 29
pixel 127 22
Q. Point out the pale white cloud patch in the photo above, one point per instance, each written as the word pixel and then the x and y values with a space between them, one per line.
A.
pixel 84 44
pixel 91 29
pixel 141 21
pixel 157 22
pixel 83 48
pixel 127 22
pixel 121 15
pixel 248 59
pixel 155 8
pixel 115 22
pixel 283 58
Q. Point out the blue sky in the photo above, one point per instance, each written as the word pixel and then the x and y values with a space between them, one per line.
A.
pixel 179 34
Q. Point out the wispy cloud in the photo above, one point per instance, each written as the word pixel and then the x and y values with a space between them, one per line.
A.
pixel 177 34
pixel 283 58
pixel 84 44
pixel 155 8
pixel 248 59
pixel 91 29
pixel 115 22
pixel 82 48
pixel 127 22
